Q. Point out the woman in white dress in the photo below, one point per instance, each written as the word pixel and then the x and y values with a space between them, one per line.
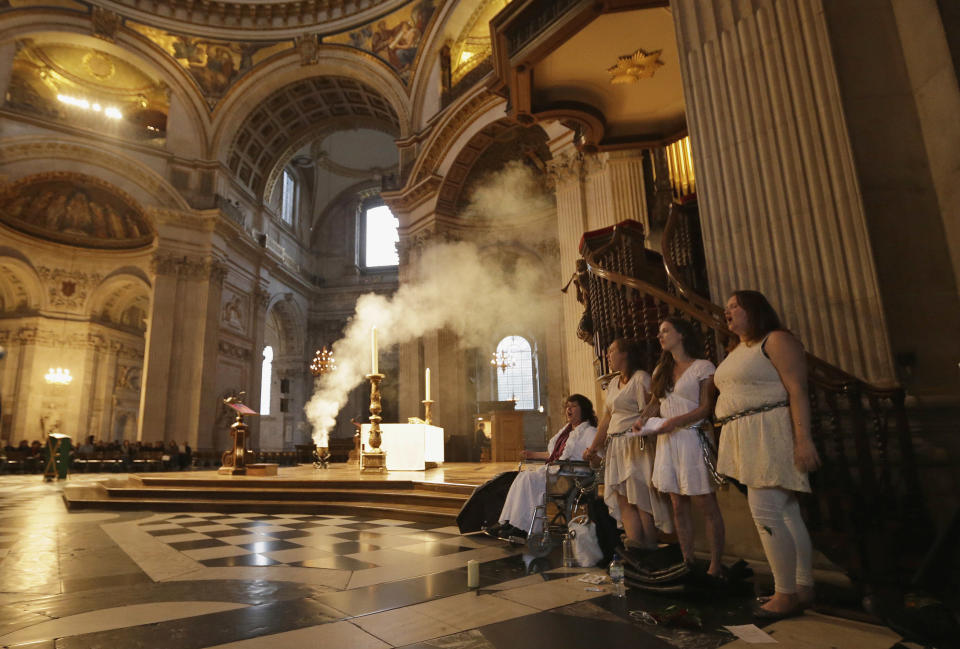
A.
pixel 528 488
pixel 683 389
pixel 628 492
pixel 766 442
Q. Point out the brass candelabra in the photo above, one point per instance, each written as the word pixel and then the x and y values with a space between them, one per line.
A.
pixel 375 459
pixel 323 362
pixel 428 411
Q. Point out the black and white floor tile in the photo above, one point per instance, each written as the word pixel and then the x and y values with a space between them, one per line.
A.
pixel 242 581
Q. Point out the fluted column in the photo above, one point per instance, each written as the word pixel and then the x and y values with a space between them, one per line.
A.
pixel 613 184
pixel 567 170
pixel 780 206
pixel 593 191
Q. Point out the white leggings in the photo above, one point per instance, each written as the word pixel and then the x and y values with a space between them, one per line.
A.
pixel 784 536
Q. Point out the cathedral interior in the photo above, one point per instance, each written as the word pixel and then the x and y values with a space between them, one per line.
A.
pixel 198 198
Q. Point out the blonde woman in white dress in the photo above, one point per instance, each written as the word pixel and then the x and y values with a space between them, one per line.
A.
pixel 628 491
pixel 766 442
pixel 683 392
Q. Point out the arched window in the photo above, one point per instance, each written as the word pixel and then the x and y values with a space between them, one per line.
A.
pixel 288 198
pixel 266 377
pixel 517 381
pixel 379 229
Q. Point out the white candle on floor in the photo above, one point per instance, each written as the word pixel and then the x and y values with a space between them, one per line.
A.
pixel 427 381
pixel 473 573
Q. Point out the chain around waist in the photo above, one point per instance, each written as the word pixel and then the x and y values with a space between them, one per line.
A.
pixel 752 411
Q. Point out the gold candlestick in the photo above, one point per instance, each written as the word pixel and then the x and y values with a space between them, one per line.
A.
pixel 376 458
pixel 428 410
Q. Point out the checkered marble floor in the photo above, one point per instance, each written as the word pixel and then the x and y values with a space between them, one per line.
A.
pixel 303 540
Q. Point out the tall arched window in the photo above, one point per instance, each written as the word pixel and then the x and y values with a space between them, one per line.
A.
pixel 288 198
pixel 519 380
pixel 266 377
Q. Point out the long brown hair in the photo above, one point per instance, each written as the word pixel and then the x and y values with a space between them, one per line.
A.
pixel 663 373
pixel 762 318
pixel 634 357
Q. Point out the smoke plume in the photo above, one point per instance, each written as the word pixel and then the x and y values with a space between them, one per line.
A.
pixel 472 289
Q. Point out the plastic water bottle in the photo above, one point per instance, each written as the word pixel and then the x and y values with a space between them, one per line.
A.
pixel 616 576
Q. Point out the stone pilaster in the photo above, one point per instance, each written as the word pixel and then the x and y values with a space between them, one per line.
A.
pixel 780 205
pixel 186 291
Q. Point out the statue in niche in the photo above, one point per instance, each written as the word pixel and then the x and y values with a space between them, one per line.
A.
pixel 233 313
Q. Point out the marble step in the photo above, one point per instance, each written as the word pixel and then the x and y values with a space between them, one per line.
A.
pixel 85 498
pixel 366 494
pixel 275 483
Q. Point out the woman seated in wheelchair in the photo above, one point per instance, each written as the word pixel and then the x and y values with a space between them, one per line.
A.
pixel 529 487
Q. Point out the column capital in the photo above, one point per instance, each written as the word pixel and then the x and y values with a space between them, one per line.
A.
pixel 190 267
pixel 566 167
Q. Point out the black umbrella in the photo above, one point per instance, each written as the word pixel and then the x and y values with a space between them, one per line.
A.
pixel 484 506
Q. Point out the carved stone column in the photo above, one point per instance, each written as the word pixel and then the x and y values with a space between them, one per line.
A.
pixel 180 355
pixel 567 171
pixel 780 206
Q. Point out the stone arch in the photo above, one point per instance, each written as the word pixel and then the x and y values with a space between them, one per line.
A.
pixel 29 155
pixel 472 113
pixel 21 290
pixel 291 324
pixel 286 70
pixel 73 28
pixel 288 117
pixel 122 299
pixel 473 158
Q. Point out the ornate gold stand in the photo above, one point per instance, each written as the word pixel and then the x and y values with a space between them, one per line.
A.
pixel 234 462
pixel 376 459
pixel 428 411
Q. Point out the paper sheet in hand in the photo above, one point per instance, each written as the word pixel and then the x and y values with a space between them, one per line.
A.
pixel 652 425
pixel 751 633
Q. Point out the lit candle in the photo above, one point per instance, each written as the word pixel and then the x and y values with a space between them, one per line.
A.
pixel 427 381
pixel 373 350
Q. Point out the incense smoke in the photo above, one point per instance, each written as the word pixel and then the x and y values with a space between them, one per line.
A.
pixel 472 289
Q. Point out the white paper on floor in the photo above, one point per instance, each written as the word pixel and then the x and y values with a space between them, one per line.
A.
pixel 751 633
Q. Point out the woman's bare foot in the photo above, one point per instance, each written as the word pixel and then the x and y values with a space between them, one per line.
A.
pixel 781 603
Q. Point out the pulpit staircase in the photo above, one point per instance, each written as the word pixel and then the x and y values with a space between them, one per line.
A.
pixel 867 513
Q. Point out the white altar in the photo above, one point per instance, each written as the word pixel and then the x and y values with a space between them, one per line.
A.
pixel 409 447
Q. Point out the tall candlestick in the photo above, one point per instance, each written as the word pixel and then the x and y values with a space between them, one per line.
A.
pixel 373 350
pixel 427 381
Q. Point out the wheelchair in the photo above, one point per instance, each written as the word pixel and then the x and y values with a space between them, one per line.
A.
pixel 566 491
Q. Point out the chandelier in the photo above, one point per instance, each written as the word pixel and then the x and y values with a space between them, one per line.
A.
pixel 503 360
pixel 58 376
pixel 323 362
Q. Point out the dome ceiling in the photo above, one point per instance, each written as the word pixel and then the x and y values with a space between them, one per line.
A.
pixel 88 87
pixel 260 19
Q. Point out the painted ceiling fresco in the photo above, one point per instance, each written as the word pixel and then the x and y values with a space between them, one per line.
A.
pixel 75 210
pixel 214 65
pixel 395 38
